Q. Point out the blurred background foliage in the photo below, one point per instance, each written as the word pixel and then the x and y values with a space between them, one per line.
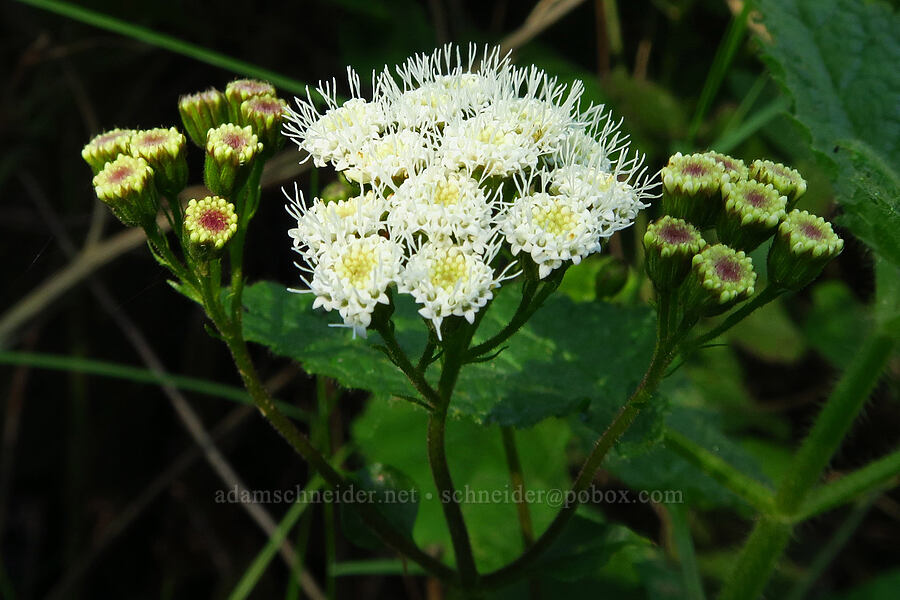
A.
pixel 101 492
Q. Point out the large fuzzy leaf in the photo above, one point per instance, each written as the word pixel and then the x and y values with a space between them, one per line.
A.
pixel 838 61
pixel 570 358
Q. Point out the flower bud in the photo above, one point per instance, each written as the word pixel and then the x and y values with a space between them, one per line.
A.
pixel 338 190
pixel 201 112
pixel 208 225
pixel 784 179
pixel 126 186
pixel 692 188
pixel 106 147
pixel 752 212
pixel 163 149
pixel 720 277
pixel 265 115
pixel 611 278
pixel 239 90
pixel 803 245
pixel 734 167
pixel 669 246
pixel 229 151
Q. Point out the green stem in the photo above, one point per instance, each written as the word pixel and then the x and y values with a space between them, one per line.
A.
pixel 233 338
pixel 323 441
pixel 399 358
pixel 874 475
pixel 768 294
pixel 518 481
pixel 664 312
pixel 769 538
pixel 662 356
pixel 755 493
pixel 757 559
pixel 247 201
pixel 159 243
pixel 835 420
pixel 523 311
pixel 531 301
pixel 693 584
pixel 833 547
pixel 167 42
pixel 455 346
pixel 719 68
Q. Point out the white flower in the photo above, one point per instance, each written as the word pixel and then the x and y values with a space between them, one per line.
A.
pixel 352 276
pixel 325 223
pixel 337 134
pixel 491 142
pixel 457 154
pixel 448 280
pixel 445 206
pixel 552 229
pixel 544 122
pixel 394 154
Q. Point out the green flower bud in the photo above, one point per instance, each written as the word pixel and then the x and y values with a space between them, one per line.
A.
pixel 106 147
pixel 734 167
pixel 163 149
pixel 692 188
pixel 669 246
pixel 720 277
pixel 784 179
pixel 201 112
pixel 752 212
pixel 126 186
pixel 229 152
pixel 611 278
pixel 803 245
pixel 265 115
pixel 338 190
pixel 240 90
pixel 208 225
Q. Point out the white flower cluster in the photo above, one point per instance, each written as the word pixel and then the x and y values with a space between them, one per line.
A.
pixel 453 159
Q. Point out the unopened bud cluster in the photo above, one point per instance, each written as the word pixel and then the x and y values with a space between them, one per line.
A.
pixel 745 206
pixel 133 168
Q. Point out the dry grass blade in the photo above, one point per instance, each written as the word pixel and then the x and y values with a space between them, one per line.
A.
pixel 189 418
pixel 544 14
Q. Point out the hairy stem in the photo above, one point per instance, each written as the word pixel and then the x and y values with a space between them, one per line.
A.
pixel 455 347
pixel 755 493
pixel 662 356
pixel 767 295
pixel 518 481
pixel 851 486
pixel 770 537
pixel 233 338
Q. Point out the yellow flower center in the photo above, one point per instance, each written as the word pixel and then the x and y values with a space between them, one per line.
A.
pixel 449 269
pixel 357 265
pixel 346 208
pixel 446 193
pixel 555 219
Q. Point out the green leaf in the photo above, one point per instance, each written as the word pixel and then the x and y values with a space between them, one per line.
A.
pixel 881 587
pixel 836 324
pixel 870 195
pixel 585 545
pixel 259 565
pixel 837 59
pixel 569 358
pixel 392 432
pixel 661 469
pixel 395 496
pixel 167 42
pixel 770 334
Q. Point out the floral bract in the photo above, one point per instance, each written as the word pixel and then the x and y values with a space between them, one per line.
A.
pixel 454 158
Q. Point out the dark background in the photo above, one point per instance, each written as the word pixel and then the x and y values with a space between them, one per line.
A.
pixel 77 450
